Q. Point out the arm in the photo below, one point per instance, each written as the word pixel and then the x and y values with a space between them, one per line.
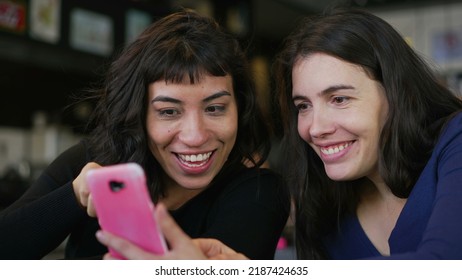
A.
pixel 43 217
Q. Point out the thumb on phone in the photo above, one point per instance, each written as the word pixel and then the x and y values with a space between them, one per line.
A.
pixel 181 245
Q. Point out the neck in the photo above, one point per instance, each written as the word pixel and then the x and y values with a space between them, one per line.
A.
pixel 378 211
pixel 176 195
pixel 377 185
pixel 379 193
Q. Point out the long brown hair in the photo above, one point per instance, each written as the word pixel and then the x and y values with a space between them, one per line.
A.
pixel 419 106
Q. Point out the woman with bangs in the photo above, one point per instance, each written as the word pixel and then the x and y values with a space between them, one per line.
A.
pixel 180 102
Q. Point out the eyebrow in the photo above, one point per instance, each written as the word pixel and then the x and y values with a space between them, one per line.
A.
pixel 328 90
pixel 216 95
pixel 163 98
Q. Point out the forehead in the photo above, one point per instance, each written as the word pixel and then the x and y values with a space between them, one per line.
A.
pixel 321 73
pixel 321 67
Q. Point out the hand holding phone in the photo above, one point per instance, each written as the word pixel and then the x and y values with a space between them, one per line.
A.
pixel 123 206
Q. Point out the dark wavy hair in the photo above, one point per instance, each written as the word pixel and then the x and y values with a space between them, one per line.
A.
pixel 179 45
pixel 419 107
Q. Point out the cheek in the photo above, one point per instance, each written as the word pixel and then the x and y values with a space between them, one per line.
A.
pixel 229 127
pixel 303 129
pixel 158 134
pixel 229 132
pixel 376 124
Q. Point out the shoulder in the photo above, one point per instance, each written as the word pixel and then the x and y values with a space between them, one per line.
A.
pixel 452 132
pixel 449 145
pixel 76 153
pixel 70 161
pixel 454 124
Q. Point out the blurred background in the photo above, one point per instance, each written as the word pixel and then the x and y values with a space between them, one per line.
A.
pixel 51 51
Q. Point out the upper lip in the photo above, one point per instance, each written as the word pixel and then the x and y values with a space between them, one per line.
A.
pixel 196 156
pixel 330 143
pixel 327 145
pixel 193 153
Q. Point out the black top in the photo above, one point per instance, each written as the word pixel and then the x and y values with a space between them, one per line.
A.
pixel 247 212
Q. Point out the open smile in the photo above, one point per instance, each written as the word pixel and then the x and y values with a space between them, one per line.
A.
pixel 194 160
pixel 334 149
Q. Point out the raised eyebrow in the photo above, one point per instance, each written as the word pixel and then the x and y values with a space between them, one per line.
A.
pixel 162 98
pixel 298 97
pixel 335 88
pixel 216 95
pixel 328 90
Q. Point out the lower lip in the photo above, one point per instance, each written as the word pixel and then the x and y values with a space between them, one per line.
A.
pixel 336 156
pixel 196 169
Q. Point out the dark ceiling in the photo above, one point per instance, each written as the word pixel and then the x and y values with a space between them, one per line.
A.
pixel 273 19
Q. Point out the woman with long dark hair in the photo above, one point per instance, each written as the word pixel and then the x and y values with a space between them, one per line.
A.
pixel 373 143
pixel 180 102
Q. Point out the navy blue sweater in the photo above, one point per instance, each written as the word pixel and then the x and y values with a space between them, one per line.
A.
pixel 430 224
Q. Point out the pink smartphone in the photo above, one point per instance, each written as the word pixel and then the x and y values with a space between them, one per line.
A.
pixel 124 207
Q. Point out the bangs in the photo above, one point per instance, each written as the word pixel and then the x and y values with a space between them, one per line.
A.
pixel 179 64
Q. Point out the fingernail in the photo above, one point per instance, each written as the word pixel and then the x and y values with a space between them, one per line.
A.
pixel 161 209
pixel 100 236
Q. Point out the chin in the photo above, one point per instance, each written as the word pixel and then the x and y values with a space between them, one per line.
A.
pixel 191 185
pixel 339 177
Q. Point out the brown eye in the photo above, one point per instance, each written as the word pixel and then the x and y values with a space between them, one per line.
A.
pixel 340 99
pixel 167 112
pixel 215 109
pixel 302 106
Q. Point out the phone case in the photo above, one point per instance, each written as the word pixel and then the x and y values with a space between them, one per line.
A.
pixel 124 207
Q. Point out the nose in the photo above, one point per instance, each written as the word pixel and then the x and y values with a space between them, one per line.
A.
pixel 321 124
pixel 193 130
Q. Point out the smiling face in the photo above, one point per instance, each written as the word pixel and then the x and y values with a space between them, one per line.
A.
pixel 341 112
pixel 192 128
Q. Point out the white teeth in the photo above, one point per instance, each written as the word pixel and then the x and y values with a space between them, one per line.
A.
pixel 195 158
pixel 334 150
